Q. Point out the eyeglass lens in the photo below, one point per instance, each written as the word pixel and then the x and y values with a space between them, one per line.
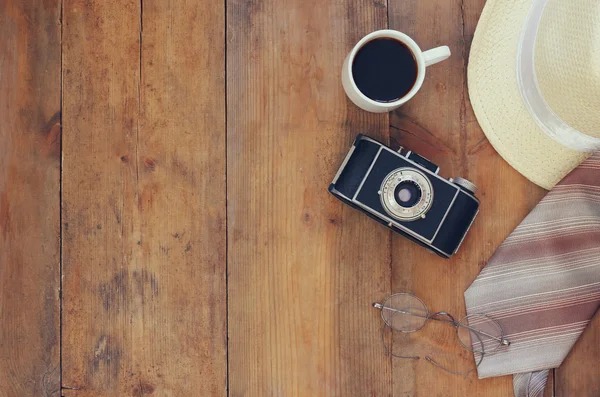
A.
pixel 479 333
pixel 404 312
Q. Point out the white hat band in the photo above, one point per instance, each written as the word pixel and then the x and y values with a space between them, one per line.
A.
pixel 534 101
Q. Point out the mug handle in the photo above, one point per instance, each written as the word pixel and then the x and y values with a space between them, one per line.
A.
pixel 436 55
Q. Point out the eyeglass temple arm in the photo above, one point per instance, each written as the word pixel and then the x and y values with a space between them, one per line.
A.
pixel 381 307
pixel 502 340
pixel 432 361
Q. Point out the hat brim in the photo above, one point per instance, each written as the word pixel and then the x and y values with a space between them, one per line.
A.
pixel 497 102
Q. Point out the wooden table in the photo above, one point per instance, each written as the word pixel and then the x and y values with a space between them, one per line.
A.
pixel 165 226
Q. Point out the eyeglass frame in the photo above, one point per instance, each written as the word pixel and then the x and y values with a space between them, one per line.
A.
pixel 432 316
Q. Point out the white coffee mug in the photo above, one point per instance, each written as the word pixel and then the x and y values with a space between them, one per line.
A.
pixel 423 60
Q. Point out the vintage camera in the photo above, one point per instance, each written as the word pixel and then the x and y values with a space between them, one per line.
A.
pixel 405 193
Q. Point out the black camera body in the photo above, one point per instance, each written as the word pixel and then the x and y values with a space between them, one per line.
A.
pixel 405 193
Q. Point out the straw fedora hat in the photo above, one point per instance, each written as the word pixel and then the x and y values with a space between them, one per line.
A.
pixel 534 83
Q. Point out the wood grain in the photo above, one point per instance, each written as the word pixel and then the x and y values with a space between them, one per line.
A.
pixel 149 165
pixel 29 198
pixel 144 199
pixel 439 124
pixel 303 267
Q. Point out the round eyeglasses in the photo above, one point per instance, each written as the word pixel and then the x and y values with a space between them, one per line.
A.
pixel 405 312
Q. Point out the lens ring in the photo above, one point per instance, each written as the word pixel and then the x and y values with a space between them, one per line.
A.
pixel 490 330
pixel 389 198
pixel 389 305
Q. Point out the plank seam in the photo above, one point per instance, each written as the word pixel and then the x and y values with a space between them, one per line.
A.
pixel 463 99
pixel 60 211
pixel 137 132
pixel 390 237
pixel 226 202
pixel 387 13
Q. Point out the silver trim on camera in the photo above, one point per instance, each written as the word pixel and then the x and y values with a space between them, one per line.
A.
pixel 404 228
pixel 389 200
pixel 367 174
pixel 467 184
pixel 465 235
pixel 392 223
pixel 337 175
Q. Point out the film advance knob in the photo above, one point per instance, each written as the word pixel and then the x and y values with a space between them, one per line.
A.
pixel 470 186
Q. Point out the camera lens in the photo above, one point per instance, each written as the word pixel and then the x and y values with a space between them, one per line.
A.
pixel 407 194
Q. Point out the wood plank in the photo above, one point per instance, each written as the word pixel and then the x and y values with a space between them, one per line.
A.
pixel 144 199
pixel 303 268
pixel 579 374
pixel 29 198
pixel 440 124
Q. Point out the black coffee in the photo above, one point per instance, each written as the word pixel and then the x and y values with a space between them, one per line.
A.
pixel 384 70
